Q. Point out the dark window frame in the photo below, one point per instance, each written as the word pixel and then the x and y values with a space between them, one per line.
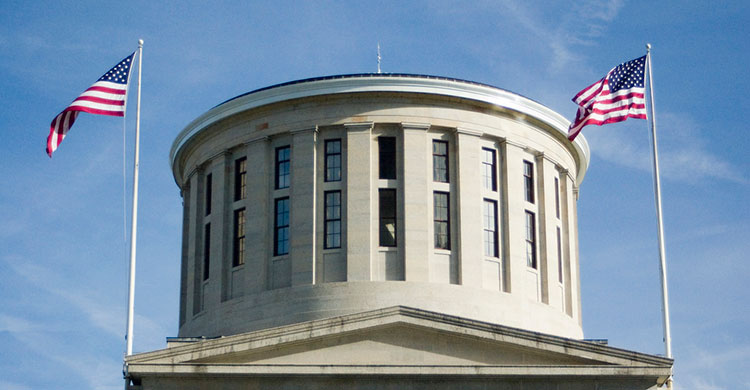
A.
pixel 240 178
pixel 531 240
pixel 557 197
pixel 559 256
pixel 332 162
pixel 492 231
pixel 387 159
pixel 491 166
pixel 238 238
pixel 441 217
pixel 208 192
pixel 384 219
pixel 206 251
pixel 281 226
pixel 528 178
pixel 284 162
pixel 332 239
pixel 440 162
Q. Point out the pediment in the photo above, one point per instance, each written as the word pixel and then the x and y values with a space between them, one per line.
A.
pixel 396 336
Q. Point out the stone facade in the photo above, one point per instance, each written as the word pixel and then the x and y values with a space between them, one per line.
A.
pixel 382 231
pixel 495 147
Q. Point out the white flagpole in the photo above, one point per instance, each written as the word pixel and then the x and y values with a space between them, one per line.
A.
pixel 657 194
pixel 134 223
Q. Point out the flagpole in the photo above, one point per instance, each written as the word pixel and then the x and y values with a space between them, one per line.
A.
pixel 134 222
pixel 657 194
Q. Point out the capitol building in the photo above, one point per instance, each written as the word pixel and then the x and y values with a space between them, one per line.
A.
pixel 382 231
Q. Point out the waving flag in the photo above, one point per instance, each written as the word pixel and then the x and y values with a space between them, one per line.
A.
pixel 616 97
pixel 106 97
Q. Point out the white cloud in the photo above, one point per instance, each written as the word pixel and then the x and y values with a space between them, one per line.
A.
pixel 683 153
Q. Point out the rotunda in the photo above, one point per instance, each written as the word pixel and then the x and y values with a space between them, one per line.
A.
pixel 338 195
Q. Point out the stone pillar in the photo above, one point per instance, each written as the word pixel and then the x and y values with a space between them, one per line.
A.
pixel 417 216
pixel 359 203
pixel 302 223
pixel 257 236
pixel 469 224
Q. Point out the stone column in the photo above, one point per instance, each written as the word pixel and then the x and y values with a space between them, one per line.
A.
pixel 302 223
pixel 359 201
pixel 417 216
pixel 257 215
pixel 469 224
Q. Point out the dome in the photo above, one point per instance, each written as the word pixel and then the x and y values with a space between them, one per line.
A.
pixel 344 194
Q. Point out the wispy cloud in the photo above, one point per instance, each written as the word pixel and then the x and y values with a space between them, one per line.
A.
pixel 683 153
pixel 705 368
pixel 579 25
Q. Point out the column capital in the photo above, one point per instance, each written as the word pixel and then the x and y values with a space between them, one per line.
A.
pixel 359 126
pixel 472 132
pixel 415 126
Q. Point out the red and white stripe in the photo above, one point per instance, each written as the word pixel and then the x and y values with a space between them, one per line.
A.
pixel 598 106
pixel 102 98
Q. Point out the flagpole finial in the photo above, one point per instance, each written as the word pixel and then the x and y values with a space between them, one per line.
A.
pixel 648 46
pixel 140 42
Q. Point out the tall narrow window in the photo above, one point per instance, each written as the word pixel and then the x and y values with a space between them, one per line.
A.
pixel 440 161
pixel 490 229
pixel 557 197
pixel 387 157
pixel 332 219
pixel 283 156
pixel 206 250
pixel 489 170
pixel 441 217
pixel 528 180
pixel 209 183
pixel 281 227
pixel 333 160
pixel 559 257
pixel 240 174
pixel 387 207
pixel 530 239
pixel 238 245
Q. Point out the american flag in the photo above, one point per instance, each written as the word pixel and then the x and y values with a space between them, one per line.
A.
pixel 106 97
pixel 616 97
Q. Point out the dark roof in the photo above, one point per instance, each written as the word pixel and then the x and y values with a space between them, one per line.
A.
pixel 366 75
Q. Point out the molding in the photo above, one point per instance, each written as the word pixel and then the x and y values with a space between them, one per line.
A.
pixel 415 126
pixel 359 126
pixel 471 132
pixel 330 327
pixel 369 83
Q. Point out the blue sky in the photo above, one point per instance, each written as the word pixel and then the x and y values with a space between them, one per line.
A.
pixel 63 256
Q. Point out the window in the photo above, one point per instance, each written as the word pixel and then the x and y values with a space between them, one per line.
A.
pixel 387 157
pixel 238 246
pixel 282 167
pixel 490 229
pixel 206 250
pixel 440 161
pixel 441 217
pixel 333 160
pixel 332 219
pixel 530 239
pixel 208 193
pixel 240 173
pixel 281 227
pixel 387 206
pixel 528 178
pixel 489 175
pixel 559 257
pixel 557 197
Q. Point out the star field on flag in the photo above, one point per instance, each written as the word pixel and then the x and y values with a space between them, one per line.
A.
pixel 616 97
pixel 106 96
